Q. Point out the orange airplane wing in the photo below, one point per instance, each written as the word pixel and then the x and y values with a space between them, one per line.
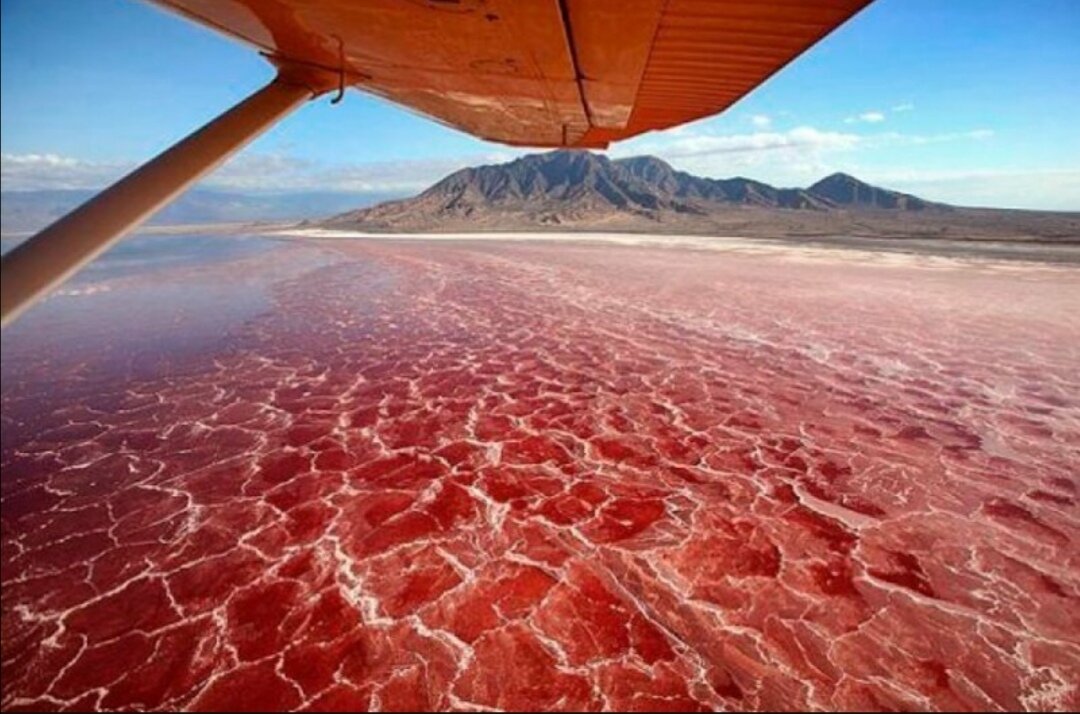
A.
pixel 560 73
pixel 554 73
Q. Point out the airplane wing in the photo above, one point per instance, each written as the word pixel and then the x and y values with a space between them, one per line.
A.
pixel 552 73
pixel 556 73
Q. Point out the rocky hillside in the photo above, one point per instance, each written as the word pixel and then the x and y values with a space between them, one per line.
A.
pixel 579 190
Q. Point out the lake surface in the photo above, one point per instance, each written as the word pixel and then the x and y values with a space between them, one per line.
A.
pixel 250 472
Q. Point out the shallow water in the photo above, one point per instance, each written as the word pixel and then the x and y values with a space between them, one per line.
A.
pixel 454 474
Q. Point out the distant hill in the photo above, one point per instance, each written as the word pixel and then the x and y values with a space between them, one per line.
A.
pixel 573 186
pixel 23 211
pixel 579 190
pixel 847 191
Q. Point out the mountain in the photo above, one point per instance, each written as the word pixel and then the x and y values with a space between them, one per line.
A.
pixel 579 188
pixel 843 190
pixel 582 191
pixel 740 191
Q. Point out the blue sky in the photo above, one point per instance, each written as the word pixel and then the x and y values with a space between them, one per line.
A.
pixel 969 101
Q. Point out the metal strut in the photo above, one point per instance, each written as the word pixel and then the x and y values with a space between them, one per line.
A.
pixel 30 270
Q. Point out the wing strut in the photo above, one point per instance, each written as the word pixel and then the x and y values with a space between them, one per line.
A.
pixel 32 269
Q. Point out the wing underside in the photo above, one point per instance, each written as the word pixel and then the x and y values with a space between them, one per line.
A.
pixel 572 73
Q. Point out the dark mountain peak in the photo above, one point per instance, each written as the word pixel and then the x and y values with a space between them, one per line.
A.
pixel 563 166
pixel 846 191
pixel 555 182
pixel 563 157
pixel 645 166
pixel 838 179
pixel 525 176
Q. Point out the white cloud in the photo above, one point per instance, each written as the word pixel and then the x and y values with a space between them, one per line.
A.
pixel 905 107
pixel 792 158
pixel 761 121
pixel 803 155
pixel 787 157
pixel 39 160
pixel 781 157
pixel 921 139
pixel 52 171
pixel 290 173
pixel 246 172
pixel 702 144
pixel 873 117
pixel 1054 189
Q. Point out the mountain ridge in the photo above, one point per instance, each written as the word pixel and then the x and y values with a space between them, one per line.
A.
pixel 583 189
